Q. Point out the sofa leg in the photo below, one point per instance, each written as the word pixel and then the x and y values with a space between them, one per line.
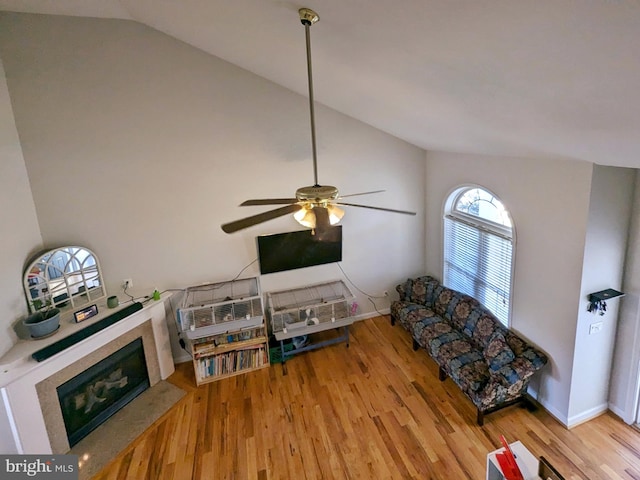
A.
pixel 480 418
pixel 416 345
pixel 442 375
pixel 523 401
pixel 393 320
pixel 528 403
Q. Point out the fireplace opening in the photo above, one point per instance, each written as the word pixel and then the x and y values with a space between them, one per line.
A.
pixel 90 398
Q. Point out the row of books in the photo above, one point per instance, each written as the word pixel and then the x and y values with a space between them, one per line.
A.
pixel 232 362
pixel 211 348
pixel 225 338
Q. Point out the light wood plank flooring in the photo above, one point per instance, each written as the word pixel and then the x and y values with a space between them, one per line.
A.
pixel 375 410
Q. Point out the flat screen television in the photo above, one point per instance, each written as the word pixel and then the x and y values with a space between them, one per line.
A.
pixel 291 250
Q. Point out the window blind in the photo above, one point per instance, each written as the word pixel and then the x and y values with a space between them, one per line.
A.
pixel 478 262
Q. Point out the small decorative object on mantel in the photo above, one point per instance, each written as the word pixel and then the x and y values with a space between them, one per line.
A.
pixel 85 313
pixel 598 300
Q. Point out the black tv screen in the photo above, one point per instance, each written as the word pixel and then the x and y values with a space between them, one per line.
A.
pixel 291 250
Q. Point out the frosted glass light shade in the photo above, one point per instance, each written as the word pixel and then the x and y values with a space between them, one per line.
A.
pixel 306 217
pixel 335 214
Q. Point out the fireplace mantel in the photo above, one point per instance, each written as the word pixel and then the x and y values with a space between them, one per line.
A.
pixel 20 408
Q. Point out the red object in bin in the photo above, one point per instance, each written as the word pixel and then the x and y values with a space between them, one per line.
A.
pixel 507 462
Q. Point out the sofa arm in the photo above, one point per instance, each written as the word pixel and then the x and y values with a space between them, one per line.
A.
pixel 521 368
pixel 418 290
pixel 404 289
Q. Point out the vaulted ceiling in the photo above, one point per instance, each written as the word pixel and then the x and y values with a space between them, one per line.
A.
pixel 526 78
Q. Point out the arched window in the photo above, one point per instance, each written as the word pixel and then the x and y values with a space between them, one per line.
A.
pixel 478 248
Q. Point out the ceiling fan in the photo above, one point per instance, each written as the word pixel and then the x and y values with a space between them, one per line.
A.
pixel 314 206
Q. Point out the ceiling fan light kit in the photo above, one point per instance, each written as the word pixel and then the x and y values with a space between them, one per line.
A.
pixel 310 215
pixel 315 206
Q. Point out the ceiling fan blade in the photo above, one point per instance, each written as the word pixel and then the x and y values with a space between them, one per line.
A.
pixel 405 212
pixel 363 193
pixel 268 201
pixel 247 222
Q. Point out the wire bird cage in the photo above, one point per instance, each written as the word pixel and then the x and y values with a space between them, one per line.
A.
pixel 303 308
pixel 216 308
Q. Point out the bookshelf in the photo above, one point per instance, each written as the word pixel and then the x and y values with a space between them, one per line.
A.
pixel 225 329
pixel 230 353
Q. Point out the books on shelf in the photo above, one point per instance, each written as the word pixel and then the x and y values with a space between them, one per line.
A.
pixel 233 361
pixel 237 336
pixel 212 345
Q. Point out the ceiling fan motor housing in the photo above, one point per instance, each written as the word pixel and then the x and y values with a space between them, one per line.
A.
pixel 317 193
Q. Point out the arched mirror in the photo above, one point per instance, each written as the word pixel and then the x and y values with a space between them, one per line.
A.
pixel 65 278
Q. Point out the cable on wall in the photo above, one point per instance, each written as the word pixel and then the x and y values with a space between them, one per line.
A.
pixel 369 297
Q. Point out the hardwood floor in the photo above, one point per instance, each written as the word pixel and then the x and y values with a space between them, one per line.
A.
pixel 375 410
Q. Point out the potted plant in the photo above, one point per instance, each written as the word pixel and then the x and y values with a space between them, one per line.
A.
pixel 45 321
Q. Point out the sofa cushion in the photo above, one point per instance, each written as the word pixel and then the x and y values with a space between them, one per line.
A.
pixel 462 361
pixel 442 298
pixel 431 330
pixel 497 352
pixel 463 309
pixel 426 321
pixel 472 320
pixel 409 313
pixel 469 371
pixel 486 326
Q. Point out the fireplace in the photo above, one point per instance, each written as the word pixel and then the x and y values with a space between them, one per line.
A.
pixel 47 389
pixel 29 402
pixel 91 397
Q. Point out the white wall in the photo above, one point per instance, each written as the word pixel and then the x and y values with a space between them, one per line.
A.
pixel 139 146
pixel 20 232
pixel 549 204
pixel 20 235
pixel 604 256
pixel 624 377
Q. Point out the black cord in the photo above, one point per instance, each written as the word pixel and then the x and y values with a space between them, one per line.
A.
pixel 369 297
pixel 172 290
pixel 124 289
pixel 240 273
pixel 207 287
pixel 181 340
pixel 355 286
pixel 375 307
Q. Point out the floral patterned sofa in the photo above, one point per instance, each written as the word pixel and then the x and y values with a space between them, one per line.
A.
pixel 490 363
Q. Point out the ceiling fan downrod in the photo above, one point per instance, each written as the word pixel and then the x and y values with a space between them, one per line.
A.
pixel 316 206
pixel 308 17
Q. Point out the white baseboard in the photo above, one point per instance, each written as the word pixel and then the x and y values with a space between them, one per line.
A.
pixel 587 415
pixel 575 420
pixel 555 413
pixel 182 357
pixel 381 311
pixel 619 412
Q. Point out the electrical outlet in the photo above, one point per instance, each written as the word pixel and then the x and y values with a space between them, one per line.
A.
pixel 595 328
pixel 127 283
